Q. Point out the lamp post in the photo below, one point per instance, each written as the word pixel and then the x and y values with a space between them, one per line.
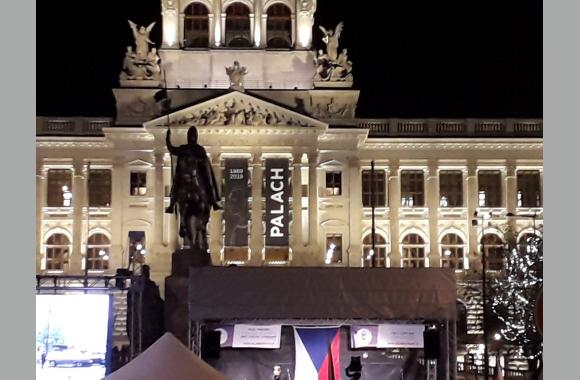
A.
pixel 475 221
pixel 373 213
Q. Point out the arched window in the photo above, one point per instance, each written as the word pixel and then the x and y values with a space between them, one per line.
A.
pixel 238 26
pixel 196 26
pixel 413 252
pixel 57 251
pixel 452 251
pixel 493 248
pixel 98 249
pixel 279 26
pixel 380 251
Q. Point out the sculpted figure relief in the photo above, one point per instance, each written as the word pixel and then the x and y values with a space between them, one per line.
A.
pixel 142 63
pixel 331 66
pixel 194 190
pixel 236 74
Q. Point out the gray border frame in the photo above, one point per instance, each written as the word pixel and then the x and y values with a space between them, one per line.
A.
pixel 18 192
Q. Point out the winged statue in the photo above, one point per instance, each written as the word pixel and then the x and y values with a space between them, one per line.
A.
pixel 331 40
pixel 142 40
pixel 236 74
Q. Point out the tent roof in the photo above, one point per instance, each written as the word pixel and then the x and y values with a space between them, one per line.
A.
pixel 302 293
pixel 167 358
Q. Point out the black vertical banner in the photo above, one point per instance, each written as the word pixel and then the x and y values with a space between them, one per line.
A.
pixel 236 214
pixel 277 195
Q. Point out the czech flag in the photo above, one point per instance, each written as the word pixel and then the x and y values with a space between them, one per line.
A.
pixel 317 353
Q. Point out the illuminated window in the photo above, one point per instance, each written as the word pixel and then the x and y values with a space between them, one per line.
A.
pixel 138 183
pixel 526 241
pixel 412 188
pixel 380 253
pixel 137 250
pixel 450 188
pixel 333 249
pixel 333 183
pixel 489 188
pixel 196 26
pixel 529 188
pixel 452 251
pixel 379 188
pixel 413 252
pixel 59 188
pixel 100 188
pixel 238 26
pixel 279 27
pixel 98 250
pixel 493 247
pixel 58 248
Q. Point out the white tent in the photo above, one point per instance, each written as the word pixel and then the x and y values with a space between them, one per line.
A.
pixel 167 358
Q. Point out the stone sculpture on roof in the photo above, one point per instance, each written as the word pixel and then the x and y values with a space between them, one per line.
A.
pixel 332 66
pixel 141 64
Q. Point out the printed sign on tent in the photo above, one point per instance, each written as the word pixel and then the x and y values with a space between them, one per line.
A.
pixel 257 336
pixel 364 336
pixel 400 336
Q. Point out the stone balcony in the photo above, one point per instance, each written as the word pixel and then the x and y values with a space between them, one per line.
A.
pixel 72 126
pixel 452 127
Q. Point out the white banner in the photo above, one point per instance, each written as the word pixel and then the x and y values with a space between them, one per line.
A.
pixel 400 336
pixel 257 336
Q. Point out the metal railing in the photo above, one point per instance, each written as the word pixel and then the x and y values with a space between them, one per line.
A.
pixel 72 126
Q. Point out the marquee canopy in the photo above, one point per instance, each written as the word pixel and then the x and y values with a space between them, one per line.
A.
pixel 306 293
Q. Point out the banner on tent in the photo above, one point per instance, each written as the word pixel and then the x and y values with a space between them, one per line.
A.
pixel 249 336
pixel 387 336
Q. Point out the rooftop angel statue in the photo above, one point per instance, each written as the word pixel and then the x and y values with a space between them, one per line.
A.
pixel 331 40
pixel 142 40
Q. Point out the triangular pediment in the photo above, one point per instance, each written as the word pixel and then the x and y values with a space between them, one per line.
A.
pixel 236 109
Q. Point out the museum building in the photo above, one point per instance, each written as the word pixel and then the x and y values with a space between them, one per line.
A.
pixel 303 180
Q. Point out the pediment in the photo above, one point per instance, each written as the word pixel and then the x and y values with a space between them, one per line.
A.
pixel 331 164
pixel 236 109
pixel 139 163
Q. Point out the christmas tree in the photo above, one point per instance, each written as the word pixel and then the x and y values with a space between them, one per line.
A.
pixel 515 295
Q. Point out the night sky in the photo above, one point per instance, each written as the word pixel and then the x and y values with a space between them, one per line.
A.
pixel 433 58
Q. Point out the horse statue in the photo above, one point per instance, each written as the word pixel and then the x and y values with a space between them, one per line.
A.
pixel 194 190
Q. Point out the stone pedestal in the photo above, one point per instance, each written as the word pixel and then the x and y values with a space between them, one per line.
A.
pixel 176 290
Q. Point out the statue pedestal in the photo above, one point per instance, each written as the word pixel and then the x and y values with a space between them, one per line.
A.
pixel 176 290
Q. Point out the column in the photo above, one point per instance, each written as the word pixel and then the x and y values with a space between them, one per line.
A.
pixel 79 188
pixel 355 212
pixel 394 204
pixel 41 188
pixel 215 221
pixel 433 205
pixel 264 34
pixel 159 212
pixel 256 233
pixel 170 27
pixel 211 31
pixel 313 201
pixel 471 197
pixel 296 243
pixel 223 29
pixel 511 193
pixel 180 28
pixel 253 29
pixel 118 255
pixel 293 36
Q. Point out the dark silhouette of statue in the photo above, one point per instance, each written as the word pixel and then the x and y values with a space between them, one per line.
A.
pixel 194 190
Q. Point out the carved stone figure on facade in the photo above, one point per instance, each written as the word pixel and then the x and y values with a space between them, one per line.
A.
pixel 194 190
pixel 142 40
pixel 331 66
pixel 141 64
pixel 236 74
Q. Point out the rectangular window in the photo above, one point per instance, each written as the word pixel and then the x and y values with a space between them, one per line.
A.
pixel 450 188
pixel 59 188
pixel 138 183
pixel 529 194
pixel 489 188
pixel 379 188
pixel 333 183
pixel 137 250
pixel 100 188
pixel 333 249
pixel 412 188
